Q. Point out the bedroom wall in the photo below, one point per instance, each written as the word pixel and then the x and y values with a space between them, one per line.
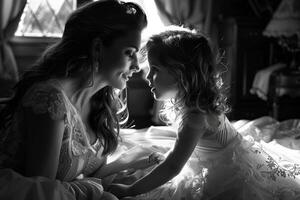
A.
pixel 248 52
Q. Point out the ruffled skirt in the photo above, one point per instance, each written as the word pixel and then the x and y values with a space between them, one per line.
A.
pixel 246 169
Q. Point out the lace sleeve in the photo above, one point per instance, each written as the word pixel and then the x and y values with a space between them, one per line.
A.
pixel 45 99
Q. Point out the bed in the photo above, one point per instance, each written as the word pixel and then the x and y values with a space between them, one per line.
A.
pixel 280 139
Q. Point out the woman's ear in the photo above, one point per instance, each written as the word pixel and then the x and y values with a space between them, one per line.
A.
pixel 96 52
pixel 97 45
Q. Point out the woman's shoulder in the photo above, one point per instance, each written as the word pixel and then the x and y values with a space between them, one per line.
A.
pixel 45 97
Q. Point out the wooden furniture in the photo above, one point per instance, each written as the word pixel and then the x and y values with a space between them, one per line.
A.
pixel 246 51
pixel 284 94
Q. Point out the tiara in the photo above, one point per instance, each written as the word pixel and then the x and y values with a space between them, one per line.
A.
pixel 129 8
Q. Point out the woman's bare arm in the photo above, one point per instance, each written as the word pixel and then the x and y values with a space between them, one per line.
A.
pixel 43 125
pixel 44 139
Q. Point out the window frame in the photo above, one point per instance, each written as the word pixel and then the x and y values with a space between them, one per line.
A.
pixel 44 39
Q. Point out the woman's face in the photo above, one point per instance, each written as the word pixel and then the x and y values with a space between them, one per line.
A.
pixel 163 84
pixel 119 59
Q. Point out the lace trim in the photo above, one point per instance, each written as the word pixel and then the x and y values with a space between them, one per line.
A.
pixel 45 99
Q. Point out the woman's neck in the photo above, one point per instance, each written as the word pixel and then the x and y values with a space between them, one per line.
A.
pixel 79 93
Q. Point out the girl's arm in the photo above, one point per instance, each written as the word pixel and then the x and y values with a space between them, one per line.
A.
pixel 187 140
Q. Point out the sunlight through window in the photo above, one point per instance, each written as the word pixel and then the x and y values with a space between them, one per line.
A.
pixel 45 18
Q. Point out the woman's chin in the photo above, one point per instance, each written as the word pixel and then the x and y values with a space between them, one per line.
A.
pixel 121 85
pixel 160 98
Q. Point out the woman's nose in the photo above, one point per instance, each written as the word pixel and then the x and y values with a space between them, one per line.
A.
pixel 134 64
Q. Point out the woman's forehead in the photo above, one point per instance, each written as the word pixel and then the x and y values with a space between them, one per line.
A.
pixel 130 39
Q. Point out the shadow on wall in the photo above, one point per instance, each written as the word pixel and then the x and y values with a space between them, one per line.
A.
pixel 6 88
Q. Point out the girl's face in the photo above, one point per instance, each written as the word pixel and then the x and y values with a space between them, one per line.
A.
pixel 162 82
pixel 119 59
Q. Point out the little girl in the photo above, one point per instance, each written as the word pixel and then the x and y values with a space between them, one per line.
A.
pixel 224 164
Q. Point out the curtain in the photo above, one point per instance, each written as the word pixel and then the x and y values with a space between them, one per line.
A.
pixel 196 14
pixel 10 14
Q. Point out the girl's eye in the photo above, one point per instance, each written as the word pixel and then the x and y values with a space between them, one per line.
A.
pixel 154 68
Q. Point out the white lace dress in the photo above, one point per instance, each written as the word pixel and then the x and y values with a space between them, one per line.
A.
pixel 76 155
pixel 235 166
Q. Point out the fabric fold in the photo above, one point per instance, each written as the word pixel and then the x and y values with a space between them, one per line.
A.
pixel 260 85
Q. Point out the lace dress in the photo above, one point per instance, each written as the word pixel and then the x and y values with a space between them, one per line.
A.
pixel 77 156
pixel 225 165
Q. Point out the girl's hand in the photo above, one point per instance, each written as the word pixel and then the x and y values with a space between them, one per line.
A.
pixel 119 190
pixel 147 161
pixel 139 158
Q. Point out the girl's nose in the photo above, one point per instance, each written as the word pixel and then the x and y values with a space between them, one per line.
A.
pixel 149 76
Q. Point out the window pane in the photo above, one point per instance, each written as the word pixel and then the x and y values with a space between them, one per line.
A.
pixel 45 18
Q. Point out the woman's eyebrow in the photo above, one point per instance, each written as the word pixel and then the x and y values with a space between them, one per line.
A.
pixel 134 47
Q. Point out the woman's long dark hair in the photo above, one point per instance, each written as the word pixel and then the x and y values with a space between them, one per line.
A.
pixel 107 20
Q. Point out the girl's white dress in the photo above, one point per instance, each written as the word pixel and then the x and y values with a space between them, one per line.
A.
pixel 242 163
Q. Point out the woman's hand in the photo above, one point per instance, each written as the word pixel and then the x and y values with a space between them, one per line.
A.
pixel 119 190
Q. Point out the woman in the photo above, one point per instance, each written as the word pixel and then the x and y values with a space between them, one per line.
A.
pixel 62 121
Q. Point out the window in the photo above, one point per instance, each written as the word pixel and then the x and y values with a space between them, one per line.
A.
pixel 45 18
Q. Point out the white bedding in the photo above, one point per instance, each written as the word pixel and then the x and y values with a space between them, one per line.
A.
pixel 265 136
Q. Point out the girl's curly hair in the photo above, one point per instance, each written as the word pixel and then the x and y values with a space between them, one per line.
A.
pixel 188 56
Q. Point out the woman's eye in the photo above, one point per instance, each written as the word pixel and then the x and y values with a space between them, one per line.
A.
pixel 130 53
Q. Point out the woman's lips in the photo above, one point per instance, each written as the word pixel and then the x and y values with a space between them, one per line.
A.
pixel 126 76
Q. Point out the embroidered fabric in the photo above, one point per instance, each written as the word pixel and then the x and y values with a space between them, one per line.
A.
pixel 245 169
pixel 44 99
pixel 77 156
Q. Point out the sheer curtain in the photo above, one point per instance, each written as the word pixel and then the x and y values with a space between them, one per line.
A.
pixel 10 14
pixel 198 14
